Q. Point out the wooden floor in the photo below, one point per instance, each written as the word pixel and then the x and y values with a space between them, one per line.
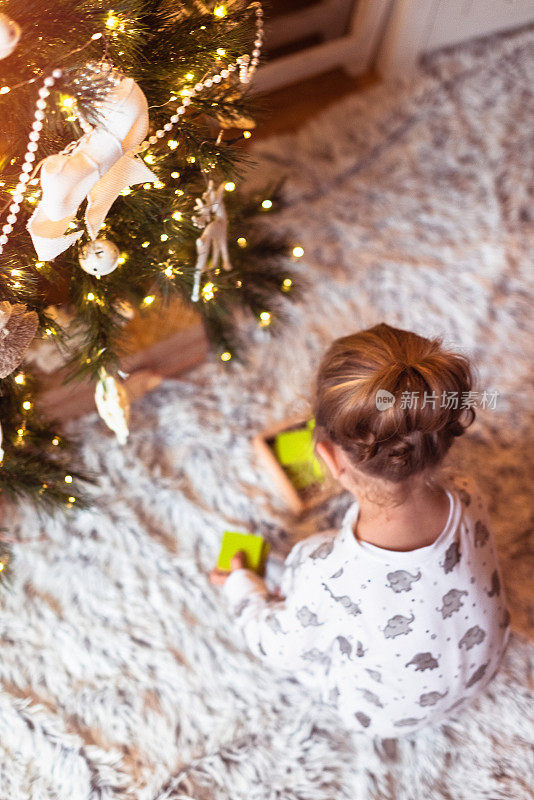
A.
pixel 288 108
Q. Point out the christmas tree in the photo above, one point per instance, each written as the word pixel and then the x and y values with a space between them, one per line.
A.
pixel 120 153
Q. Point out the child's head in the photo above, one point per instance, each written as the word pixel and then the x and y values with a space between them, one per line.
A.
pixel 400 440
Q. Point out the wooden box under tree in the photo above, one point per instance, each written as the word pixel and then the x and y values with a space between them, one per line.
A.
pixel 299 499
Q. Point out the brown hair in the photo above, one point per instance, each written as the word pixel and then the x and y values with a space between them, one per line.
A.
pixel 398 441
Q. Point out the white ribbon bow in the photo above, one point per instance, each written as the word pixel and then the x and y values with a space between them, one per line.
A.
pixel 99 167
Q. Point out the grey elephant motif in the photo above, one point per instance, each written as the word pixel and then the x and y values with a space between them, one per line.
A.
pixel 401 581
pixel 398 626
pixel 465 497
pixel 315 656
pixel 452 601
pixel 241 606
pixel 477 675
pixel 360 652
pixel 472 637
pixel 323 551
pixel 371 697
pixel 481 534
pixel 452 557
pixel 375 675
pixel 363 719
pixel 345 646
pixel 333 696
pixel 337 574
pixel 505 619
pixel 404 723
pixel 274 624
pixel 423 661
pixel 344 600
pixel 307 617
pixel 495 584
pixel 431 698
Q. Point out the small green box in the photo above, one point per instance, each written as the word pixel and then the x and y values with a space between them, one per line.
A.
pixel 294 450
pixel 294 447
pixel 255 548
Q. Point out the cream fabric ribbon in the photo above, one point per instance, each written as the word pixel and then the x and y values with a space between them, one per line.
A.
pixel 98 168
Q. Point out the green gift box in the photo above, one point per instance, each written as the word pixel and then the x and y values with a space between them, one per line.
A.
pixel 255 547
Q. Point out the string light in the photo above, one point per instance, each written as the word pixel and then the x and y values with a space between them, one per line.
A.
pixel 191 159
pixel 177 215
pixel 55 441
pixel 267 204
pixel 208 291
pixel 158 184
pixel 26 405
pixel 265 319
pixel 219 11
pixel 126 191
pixel 145 244
pixel 5 90
pixel 242 242
pixel 72 500
pixel 175 174
pixel 68 478
pixel 298 251
pixel 287 283
pixel 67 102
pixel 172 143
pixel 164 237
pixel 90 296
pixel 247 134
pixel 150 159
pixel 226 356
pixel 112 22
pixel 189 76
pixel 230 186
pixel 122 258
pixel 19 378
pixel 149 299
pixel 168 272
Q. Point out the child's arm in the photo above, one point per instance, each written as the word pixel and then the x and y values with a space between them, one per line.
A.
pixel 281 632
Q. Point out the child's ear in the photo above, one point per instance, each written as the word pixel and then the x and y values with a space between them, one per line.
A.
pixel 328 452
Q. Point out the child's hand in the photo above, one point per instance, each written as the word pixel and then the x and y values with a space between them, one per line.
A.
pixel 219 576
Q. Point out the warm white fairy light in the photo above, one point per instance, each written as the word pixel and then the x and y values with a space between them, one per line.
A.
pixel 149 299
pixel 145 244
pixel 177 215
pixel 226 356
pixel 287 283
pixel 265 319
pixel 19 379
pixel 298 251
pixel 267 204
pixel 229 186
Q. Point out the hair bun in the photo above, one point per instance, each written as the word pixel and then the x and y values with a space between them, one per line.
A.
pixel 424 383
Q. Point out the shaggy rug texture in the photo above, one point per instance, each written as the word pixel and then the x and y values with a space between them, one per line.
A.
pixel 121 674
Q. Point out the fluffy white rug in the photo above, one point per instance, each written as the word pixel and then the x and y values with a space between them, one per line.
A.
pixel 120 672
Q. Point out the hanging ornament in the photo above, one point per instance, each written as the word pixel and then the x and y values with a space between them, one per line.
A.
pixel 18 326
pixel 99 257
pixel 113 405
pixel 213 243
pixel 97 167
pixel 9 35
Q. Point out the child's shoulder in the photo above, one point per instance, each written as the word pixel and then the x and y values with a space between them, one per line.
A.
pixel 467 490
pixel 313 548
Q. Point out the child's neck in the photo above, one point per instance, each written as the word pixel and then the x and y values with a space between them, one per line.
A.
pixel 415 522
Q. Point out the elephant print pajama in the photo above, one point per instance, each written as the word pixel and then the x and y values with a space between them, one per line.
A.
pixel 394 640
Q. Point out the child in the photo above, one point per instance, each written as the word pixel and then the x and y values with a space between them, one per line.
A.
pixel 400 617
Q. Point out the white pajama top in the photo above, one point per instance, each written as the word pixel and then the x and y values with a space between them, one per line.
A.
pixel 394 640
